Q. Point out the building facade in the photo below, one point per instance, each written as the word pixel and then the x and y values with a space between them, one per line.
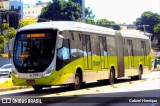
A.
pixel 33 11
pixel 12 5
pixel 11 11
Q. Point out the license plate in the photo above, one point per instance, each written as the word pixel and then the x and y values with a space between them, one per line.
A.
pixel 30 81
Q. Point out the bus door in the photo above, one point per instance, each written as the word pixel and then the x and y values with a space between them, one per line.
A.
pixel 144 52
pixel 103 52
pixel 130 53
pixel 86 47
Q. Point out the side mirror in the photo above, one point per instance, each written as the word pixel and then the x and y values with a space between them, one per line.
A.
pixel 59 41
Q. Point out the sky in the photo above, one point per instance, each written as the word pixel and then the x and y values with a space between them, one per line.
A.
pixel 120 11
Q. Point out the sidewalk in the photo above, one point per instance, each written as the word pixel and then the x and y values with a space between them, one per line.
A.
pixel 7 81
pixel 13 88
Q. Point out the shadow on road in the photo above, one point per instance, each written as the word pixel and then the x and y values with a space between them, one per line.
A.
pixel 62 89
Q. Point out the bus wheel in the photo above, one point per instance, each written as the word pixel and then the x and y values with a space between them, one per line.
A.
pixel 37 88
pixel 78 81
pixel 111 77
pixel 139 76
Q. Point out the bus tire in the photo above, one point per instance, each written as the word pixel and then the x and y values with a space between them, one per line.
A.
pixel 9 75
pixel 139 76
pixel 37 88
pixel 111 77
pixel 78 82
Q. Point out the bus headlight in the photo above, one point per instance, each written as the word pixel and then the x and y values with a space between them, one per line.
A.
pixel 49 71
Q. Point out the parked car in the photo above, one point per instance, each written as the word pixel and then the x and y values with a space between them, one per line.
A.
pixel 5 70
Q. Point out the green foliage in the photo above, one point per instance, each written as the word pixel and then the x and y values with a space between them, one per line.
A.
pixel 60 10
pixel 64 10
pixel 5 26
pixel 78 2
pixel 1 42
pixel 107 23
pixel 24 22
pixel 1 39
pixel 157 29
pixel 11 33
pixel 148 18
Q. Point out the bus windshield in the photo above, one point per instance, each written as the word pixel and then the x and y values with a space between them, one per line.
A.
pixel 34 50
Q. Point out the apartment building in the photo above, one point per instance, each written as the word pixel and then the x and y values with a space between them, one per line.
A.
pixel 33 11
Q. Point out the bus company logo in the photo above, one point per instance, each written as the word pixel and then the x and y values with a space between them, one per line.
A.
pixel 96 63
pixel 6 100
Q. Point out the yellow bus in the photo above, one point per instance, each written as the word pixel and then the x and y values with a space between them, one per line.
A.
pixel 72 53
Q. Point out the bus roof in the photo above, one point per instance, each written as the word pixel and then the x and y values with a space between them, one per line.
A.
pixel 134 35
pixel 77 26
pixel 69 25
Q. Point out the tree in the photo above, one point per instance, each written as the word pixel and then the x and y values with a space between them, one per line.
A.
pixel 24 22
pixel 148 18
pixel 63 10
pixel 60 10
pixel 107 23
pixel 78 2
pixel 157 29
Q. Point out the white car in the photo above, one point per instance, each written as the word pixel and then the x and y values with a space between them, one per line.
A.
pixel 5 70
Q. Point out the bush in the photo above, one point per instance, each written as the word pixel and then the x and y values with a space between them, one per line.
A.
pixel 1 39
pixel 11 33
pixel 1 48
pixel 5 26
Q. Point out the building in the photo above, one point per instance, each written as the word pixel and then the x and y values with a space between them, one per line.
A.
pixel 33 11
pixel 11 12
pixel 12 5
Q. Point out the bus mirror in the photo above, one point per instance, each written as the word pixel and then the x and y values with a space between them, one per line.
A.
pixel 60 41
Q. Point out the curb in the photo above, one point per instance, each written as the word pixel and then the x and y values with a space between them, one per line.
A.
pixel 14 88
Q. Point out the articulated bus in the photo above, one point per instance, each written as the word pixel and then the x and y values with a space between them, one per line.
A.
pixel 72 53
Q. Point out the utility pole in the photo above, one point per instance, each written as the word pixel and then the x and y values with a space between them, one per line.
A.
pixel 83 11
pixel 144 28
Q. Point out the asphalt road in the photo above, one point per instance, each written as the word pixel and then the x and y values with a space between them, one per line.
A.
pixel 124 92
pixel 3 61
